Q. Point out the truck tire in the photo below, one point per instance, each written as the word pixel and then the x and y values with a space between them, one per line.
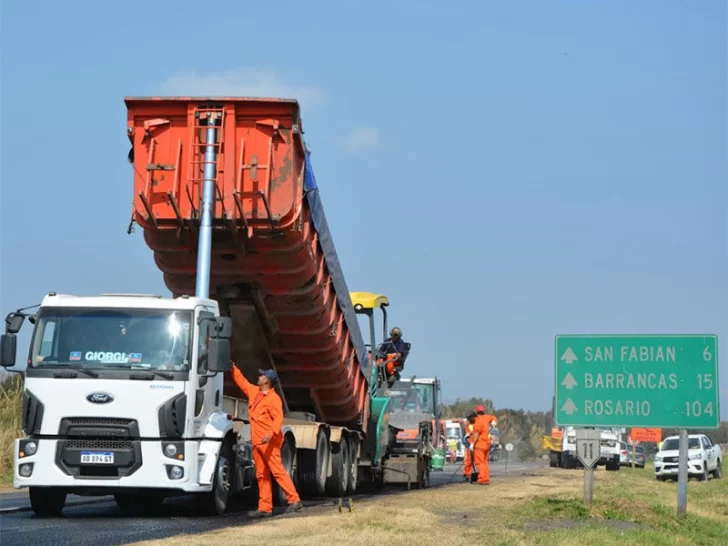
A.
pixel 47 502
pixel 353 465
pixel 313 465
pixel 612 465
pixel 338 483
pixel 288 458
pixel 553 459
pixel 718 472
pixel 215 502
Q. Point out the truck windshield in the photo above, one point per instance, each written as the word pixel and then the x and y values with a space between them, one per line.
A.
pixel 153 339
pixel 412 398
pixel 674 444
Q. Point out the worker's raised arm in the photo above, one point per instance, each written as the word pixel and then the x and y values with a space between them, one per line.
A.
pixel 242 383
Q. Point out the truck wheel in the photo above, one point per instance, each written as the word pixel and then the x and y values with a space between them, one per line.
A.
pixel 313 465
pixel 215 502
pixel 353 465
pixel 718 472
pixel 288 458
pixel 553 459
pixel 47 502
pixel 705 476
pixel 338 483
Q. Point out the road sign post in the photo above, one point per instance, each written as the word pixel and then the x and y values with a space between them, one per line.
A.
pixel 665 381
pixel 509 448
pixel 588 451
pixel 682 474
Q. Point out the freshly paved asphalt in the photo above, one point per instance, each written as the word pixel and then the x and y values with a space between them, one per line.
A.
pixel 99 522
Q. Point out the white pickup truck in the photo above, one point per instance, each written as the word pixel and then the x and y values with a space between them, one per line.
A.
pixel 704 458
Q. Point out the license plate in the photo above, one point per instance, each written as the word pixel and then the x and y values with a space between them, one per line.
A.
pixel 95 457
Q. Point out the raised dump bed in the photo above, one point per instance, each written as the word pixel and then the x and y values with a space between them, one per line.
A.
pixel 274 267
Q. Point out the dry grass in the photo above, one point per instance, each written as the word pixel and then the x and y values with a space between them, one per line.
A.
pixel 11 399
pixel 630 507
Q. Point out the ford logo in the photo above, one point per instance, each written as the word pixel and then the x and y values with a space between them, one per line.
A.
pixel 99 398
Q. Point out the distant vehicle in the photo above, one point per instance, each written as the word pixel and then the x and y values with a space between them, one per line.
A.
pixel 704 458
pixel 639 456
pixel 623 454
pixel 454 435
pixel 561 446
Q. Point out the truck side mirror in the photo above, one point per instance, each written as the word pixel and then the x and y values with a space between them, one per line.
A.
pixel 218 354
pixel 13 322
pixel 8 349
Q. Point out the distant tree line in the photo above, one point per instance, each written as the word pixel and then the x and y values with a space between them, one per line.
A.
pixel 524 429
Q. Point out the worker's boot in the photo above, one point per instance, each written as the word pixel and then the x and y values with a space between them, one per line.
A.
pixel 295 507
pixel 258 514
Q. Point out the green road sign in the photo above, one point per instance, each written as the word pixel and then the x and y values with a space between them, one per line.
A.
pixel 659 381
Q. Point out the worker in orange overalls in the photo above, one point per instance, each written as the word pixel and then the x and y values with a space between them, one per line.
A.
pixel 265 412
pixel 480 443
pixel 393 347
pixel 468 458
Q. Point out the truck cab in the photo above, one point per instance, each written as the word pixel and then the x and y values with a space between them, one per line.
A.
pixel 122 396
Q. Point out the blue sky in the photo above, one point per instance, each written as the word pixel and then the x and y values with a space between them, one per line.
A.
pixel 530 168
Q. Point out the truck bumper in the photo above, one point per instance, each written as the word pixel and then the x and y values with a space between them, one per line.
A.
pixel 138 464
pixel 669 470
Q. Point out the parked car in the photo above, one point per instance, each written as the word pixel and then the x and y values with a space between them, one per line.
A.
pixel 704 458
pixel 639 456
pixel 623 454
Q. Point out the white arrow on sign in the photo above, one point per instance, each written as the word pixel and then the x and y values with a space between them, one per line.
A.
pixel 569 407
pixel 569 382
pixel 569 356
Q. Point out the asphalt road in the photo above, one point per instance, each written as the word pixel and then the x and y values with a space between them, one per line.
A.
pixel 98 522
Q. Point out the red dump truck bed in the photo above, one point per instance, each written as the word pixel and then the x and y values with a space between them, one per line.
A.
pixel 274 267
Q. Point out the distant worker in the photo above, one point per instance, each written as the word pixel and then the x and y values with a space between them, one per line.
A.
pixel 468 458
pixel 480 443
pixel 393 348
pixel 265 411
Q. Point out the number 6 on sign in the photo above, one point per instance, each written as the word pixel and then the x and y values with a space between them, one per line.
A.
pixel 707 355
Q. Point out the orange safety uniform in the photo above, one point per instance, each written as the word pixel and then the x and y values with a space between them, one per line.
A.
pixel 265 411
pixel 389 364
pixel 482 426
pixel 468 460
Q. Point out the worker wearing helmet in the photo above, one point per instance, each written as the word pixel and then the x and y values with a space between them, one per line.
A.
pixel 393 347
pixel 468 458
pixel 480 443
pixel 265 411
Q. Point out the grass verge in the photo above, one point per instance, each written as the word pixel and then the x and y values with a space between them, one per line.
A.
pixel 11 399
pixel 544 507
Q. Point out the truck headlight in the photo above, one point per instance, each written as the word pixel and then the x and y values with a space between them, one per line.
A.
pixel 31 448
pixel 174 450
pixel 175 472
pixel 658 459
pixel 696 456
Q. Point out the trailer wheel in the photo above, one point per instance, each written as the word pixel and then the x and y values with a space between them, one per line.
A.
pixel 313 465
pixel 353 465
pixel 338 484
pixel 47 502
pixel 288 458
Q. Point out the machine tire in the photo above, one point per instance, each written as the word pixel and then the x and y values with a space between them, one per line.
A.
pixel 215 503
pixel 612 466
pixel 352 482
pixel 288 458
pixel 47 502
pixel 338 484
